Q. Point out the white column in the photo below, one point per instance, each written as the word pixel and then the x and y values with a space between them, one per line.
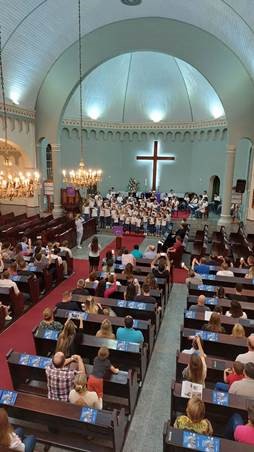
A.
pixel 228 185
pixel 250 194
pixel 57 179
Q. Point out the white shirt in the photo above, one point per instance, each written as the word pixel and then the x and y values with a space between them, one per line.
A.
pixel 93 253
pixel 225 273
pixel 9 283
pixel 246 357
pixel 244 316
pixel 79 225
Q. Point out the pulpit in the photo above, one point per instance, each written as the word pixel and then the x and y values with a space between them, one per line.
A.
pixel 71 199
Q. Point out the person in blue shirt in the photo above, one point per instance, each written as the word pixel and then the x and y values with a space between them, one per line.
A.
pixel 127 333
pixel 201 266
pixel 136 252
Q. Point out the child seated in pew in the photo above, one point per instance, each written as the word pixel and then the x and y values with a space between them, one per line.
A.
pixel 195 418
pixel 101 365
pixel 14 439
pixel 235 373
pixel 81 396
pixel 92 278
pixel 196 370
pixel 48 321
pixel 238 330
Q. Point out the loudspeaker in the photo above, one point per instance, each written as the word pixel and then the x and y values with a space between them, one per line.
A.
pixel 240 186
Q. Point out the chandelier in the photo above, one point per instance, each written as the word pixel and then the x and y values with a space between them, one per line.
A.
pixel 82 177
pixel 13 185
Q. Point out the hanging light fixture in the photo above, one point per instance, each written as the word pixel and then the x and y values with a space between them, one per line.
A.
pixel 82 177
pixel 13 185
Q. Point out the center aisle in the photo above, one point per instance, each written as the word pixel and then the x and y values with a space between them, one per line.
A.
pixel 19 335
pixel 153 408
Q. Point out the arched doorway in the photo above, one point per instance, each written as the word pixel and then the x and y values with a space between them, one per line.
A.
pixel 214 187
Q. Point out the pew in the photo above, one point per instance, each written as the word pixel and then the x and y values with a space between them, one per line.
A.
pixel 2 317
pixel 119 389
pixel 225 346
pixel 142 311
pixel 218 415
pixel 162 283
pixel 196 320
pixel 227 281
pixel 16 302
pixel 27 284
pixel 135 357
pixel 240 272
pixel 93 322
pixel 247 307
pixel 173 441
pixel 209 290
pixel 58 423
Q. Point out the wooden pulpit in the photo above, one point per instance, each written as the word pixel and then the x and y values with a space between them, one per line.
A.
pixel 71 199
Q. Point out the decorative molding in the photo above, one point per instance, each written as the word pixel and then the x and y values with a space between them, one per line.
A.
pixel 14 110
pixel 184 132
pixel 56 147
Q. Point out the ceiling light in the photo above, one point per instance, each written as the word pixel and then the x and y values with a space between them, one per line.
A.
pixel 131 2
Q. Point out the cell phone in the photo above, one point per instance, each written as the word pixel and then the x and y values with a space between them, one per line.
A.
pixel 182 264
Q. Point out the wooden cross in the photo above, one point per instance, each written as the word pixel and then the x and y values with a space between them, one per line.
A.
pixel 155 158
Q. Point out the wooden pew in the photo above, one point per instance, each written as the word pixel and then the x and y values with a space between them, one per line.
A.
pixel 197 320
pixel 2 317
pixel 215 367
pixel 16 302
pixel 119 389
pixel 224 303
pixel 93 322
pixel 227 347
pixel 209 290
pixel 142 311
pixel 65 428
pixel 28 284
pixel 134 358
pixel 162 282
pixel 173 441
pixel 218 415
pixel 240 272
pixel 228 281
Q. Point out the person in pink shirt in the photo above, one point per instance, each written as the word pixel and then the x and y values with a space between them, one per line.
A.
pixel 237 430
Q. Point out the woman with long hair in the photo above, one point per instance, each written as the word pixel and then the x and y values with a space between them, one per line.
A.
pixel 103 291
pixel 14 439
pixel 108 262
pixel 130 292
pixel 214 324
pixel 69 338
pixel 250 274
pixel 196 370
pixel 106 330
pixel 90 306
pixel 49 322
pixel 238 330
pixel 81 396
pixel 94 254
pixel 236 311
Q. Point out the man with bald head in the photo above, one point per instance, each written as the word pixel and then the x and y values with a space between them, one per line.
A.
pixel 60 375
pixel 247 357
pixel 200 306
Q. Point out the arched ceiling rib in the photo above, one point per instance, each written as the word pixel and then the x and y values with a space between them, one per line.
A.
pixel 36 32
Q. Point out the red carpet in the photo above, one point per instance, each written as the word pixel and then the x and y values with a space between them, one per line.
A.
pixel 179 276
pixel 19 335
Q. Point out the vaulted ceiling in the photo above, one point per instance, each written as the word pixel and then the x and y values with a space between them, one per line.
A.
pixel 36 32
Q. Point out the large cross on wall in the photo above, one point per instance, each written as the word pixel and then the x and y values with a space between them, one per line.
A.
pixel 155 158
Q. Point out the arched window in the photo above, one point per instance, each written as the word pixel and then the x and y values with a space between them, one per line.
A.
pixel 49 163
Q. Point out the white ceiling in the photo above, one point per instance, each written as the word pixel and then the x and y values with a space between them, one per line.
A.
pixel 144 87
pixel 36 32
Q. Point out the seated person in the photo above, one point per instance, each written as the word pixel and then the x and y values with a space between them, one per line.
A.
pixel 41 261
pixel 6 282
pixel 200 305
pixel 55 256
pixel 214 324
pixel 237 430
pixel 92 278
pixel 250 274
pixel 136 252
pixel 48 321
pixel 69 339
pixel 128 333
pixel 111 280
pixel 128 258
pixel 101 365
pixel 80 289
pixel 235 373
pixel 102 290
pixel 193 278
pixel 106 330
pixel 14 439
pixel 196 370
pixel 236 311
pixel 64 248
pixel 238 330
pixel 200 266
pixel 249 355
pixel 108 262
pixel 194 348
pixel 161 266
pixel 67 302
pixel 150 280
pixel 90 306
pixel 150 252
pixel 245 386
pixel 225 270
pixel 195 419
pixel 145 295
pixel 12 268
pixel 80 395
pixel 130 292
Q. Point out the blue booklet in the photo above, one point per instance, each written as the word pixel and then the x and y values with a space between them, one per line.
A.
pixel 122 345
pixel 50 334
pixel 206 288
pixel 211 301
pixel 207 335
pixel 220 398
pixel 132 304
pixel 88 415
pixel 135 323
pixel 141 306
pixel 34 361
pixel 200 442
pixel 8 397
pixel 24 359
pixel 121 303
pixel 16 278
pixel 77 315
pixel 190 314
pixel 44 362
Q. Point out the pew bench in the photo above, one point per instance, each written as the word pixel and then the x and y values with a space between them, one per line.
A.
pixel 28 375
pixel 247 307
pixel 195 320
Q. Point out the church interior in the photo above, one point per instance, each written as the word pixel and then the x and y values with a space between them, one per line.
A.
pixel 126 225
